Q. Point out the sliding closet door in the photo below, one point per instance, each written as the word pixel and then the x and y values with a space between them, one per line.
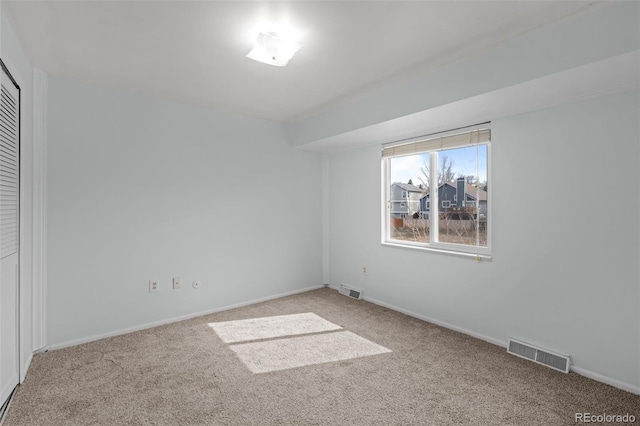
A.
pixel 9 233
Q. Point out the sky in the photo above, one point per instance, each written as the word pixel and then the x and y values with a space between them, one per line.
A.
pixel 464 163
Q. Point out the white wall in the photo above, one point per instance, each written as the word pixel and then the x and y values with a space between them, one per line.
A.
pixel 564 272
pixel 21 70
pixel 141 188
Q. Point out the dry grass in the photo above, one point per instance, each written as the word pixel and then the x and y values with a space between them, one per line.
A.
pixel 420 234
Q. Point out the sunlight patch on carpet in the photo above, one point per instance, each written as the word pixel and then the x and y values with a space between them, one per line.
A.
pixel 282 354
pixel 270 327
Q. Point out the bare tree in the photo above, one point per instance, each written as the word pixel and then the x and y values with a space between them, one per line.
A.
pixel 445 173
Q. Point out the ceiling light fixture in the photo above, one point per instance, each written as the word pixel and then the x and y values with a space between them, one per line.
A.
pixel 273 50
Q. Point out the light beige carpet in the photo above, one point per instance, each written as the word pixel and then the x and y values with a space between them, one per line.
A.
pixel 281 354
pixel 184 374
pixel 270 327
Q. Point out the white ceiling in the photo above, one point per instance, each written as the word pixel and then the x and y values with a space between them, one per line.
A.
pixel 195 51
pixel 612 75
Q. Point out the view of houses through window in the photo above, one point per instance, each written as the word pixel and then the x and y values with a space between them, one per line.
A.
pixel 459 189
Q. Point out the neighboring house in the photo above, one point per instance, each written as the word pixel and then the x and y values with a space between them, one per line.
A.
pixel 449 197
pixel 405 199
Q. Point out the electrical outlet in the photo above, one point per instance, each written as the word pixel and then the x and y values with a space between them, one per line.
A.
pixel 154 286
pixel 364 270
pixel 176 283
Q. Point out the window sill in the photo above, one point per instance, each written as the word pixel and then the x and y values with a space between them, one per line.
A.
pixel 476 256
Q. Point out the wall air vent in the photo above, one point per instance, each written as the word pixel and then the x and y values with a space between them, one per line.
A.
pixel 541 356
pixel 349 291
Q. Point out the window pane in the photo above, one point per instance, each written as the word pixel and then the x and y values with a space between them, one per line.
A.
pixel 462 192
pixel 408 213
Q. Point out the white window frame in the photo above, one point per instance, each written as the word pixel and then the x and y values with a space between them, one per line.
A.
pixel 448 204
pixel 476 252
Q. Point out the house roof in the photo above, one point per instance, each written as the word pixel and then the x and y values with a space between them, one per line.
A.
pixel 407 187
pixel 469 190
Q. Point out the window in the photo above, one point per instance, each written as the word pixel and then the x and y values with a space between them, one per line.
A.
pixel 404 194
pixel 457 162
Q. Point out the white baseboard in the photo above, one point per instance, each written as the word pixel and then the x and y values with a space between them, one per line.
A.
pixel 576 369
pixel 605 379
pixel 480 336
pixel 24 368
pixel 145 326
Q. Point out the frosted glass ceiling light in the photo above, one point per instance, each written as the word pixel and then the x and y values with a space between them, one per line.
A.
pixel 273 50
